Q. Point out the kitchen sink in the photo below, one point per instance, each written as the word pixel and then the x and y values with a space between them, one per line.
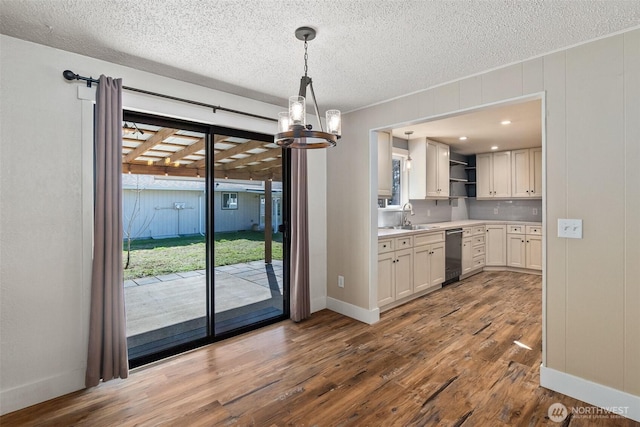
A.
pixel 411 227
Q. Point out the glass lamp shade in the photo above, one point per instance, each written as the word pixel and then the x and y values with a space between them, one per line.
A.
pixel 334 122
pixel 283 121
pixel 297 110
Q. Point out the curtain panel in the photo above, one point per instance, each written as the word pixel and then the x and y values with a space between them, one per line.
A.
pixel 107 352
pixel 299 286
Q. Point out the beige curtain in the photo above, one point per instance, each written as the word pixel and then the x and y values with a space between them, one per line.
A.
pixel 107 355
pixel 299 285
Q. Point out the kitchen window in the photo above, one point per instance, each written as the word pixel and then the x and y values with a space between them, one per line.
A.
pixel 400 178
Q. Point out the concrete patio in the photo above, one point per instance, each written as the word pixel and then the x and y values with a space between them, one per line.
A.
pixel 157 302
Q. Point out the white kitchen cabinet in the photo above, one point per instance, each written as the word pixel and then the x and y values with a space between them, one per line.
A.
pixel 478 241
pixel 493 175
pixel 428 266
pixel 404 273
pixel 467 255
pixel 428 261
pixel 386 278
pixel 526 173
pixel 429 174
pixel 496 242
pixel 395 269
pixel 385 165
pixel 516 250
pixel 524 247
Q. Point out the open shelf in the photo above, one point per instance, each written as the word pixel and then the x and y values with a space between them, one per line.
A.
pixel 457 162
pixel 458 180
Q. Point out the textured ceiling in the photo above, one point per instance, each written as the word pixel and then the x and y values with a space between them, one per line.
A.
pixel 365 51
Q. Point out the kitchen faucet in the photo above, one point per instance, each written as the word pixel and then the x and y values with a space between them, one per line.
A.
pixel 405 220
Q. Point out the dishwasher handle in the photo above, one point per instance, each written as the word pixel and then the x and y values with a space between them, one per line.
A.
pixel 456 231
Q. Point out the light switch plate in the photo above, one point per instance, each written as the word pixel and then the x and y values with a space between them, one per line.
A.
pixel 570 228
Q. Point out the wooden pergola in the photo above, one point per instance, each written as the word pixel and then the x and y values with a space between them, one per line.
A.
pixel 152 150
pixel 173 152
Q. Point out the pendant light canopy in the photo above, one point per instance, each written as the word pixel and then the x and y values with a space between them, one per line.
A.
pixel 293 130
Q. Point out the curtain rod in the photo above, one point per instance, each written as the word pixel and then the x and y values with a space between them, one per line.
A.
pixel 70 75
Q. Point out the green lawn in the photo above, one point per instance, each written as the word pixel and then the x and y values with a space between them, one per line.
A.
pixel 152 257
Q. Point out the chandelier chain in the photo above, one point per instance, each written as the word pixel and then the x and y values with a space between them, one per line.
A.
pixel 306 56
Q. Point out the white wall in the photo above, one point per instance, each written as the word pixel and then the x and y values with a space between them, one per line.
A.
pixel 46 208
pixel 591 154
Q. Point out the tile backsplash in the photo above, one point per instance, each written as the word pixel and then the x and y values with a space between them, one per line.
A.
pixel 428 211
pixel 508 210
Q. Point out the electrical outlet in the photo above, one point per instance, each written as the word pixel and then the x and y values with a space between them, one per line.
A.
pixel 535 211
pixel 341 281
pixel 495 211
pixel 428 212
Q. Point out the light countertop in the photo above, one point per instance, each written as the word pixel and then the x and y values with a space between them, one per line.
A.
pixel 385 232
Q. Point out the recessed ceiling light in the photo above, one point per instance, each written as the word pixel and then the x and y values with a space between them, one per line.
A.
pixel 463 138
pixel 495 147
pixel 505 122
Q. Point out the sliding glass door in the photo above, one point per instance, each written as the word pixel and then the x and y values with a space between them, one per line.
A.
pixel 204 236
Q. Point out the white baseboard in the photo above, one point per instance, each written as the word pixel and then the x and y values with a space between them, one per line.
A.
pixel 362 314
pixel 22 396
pixel 318 304
pixel 592 393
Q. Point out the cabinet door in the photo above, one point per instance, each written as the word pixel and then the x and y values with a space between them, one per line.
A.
pixel 437 263
pixel 421 269
pixel 520 173
pixel 384 165
pixel 516 250
pixel 432 169
pixel 535 172
pixel 484 177
pixel 534 252
pixel 443 170
pixel 496 254
pixel 386 288
pixel 404 273
pixel 502 174
pixel 467 255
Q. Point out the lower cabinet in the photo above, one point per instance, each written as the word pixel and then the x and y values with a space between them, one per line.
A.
pixel 524 247
pixel 405 268
pixel 473 249
pixel 395 269
pixel 467 255
pixel 496 251
pixel 428 262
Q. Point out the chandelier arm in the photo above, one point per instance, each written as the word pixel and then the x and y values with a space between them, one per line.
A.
pixel 315 104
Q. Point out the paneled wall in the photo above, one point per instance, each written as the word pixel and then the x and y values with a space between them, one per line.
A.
pixel 591 155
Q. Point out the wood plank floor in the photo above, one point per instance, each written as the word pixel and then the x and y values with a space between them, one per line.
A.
pixel 446 359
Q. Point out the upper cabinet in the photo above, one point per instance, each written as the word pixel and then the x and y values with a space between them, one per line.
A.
pixel 526 173
pixel 493 175
pixel 429 174
pixel 384 165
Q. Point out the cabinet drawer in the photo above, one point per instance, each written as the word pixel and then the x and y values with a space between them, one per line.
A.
pixel 466 232
pixel 478 250
pixel 478 240
pixel 534 229
pixel 478 262
pixel 385 246
pixel 403 243
pixel 478 229
pixel 515 229
pixel 426 239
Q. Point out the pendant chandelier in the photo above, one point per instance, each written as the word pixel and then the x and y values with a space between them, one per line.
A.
pixel 293 130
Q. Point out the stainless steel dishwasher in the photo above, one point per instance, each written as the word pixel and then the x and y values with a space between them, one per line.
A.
pixel 453 256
